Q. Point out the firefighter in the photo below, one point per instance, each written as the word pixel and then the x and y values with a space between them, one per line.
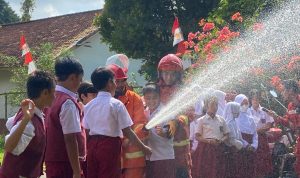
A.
pixel 170 73
pixel 133 158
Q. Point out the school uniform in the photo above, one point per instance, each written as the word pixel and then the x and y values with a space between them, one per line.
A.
pixel 263 163
pixel 209 159
pixel 105 117
pixel 248 130
pixel 26 160
pixel 161 163
pixel 63 117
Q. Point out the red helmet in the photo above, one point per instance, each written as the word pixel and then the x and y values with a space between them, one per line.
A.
pixel 118 71
pixel 170 62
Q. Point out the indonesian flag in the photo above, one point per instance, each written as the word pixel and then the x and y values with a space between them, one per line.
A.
pixel 28 57
pixel 176 31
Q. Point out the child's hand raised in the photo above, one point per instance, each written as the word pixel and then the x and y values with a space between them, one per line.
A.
pixel 27 106
pixel 159 131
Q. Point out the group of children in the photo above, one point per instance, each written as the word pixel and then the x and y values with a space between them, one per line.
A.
pixel 97 130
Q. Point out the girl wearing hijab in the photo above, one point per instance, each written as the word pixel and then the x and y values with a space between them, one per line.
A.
pixel 263 163
pixel 247 127
pixel 235 141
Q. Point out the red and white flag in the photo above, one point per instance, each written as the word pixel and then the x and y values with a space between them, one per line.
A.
pixel 28 57
pixel 176 31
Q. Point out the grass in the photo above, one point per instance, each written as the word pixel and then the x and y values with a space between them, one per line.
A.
pixel 1 147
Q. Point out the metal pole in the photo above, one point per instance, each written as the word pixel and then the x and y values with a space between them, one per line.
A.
pixel 5 96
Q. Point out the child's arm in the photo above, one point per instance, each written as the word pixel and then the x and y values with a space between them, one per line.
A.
pixel 128 133
pixel 72 150
pixel 28 112
pixel 204 140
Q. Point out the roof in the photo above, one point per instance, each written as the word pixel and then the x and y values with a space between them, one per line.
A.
pixel 61 31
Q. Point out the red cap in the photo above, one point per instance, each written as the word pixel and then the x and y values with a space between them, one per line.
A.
pixel 118 71
pixel 170 62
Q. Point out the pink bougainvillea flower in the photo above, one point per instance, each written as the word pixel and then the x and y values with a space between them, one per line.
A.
pixel 275 80
pixel 207 48
pixel 191 36
pixel 293 62
pixel 201 22
pixel 191 44
pixel 237 17
pixel 279 87
pixel 208 26
pixel 209 57
pixel 196 48
pixel 201 36
pixel 257 26
pixel 295 58
pixel 186 44
pixel 234 34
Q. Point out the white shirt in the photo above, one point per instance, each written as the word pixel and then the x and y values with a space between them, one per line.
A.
pixel 193 128
pixel 235 136
pixel 247 125
pixel 212 128
pixel 69 114
pixel 259 115
pixel 162 148
pixel 105 115
pixel 28 133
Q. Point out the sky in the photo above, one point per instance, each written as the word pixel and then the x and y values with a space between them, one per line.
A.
pixel 51 8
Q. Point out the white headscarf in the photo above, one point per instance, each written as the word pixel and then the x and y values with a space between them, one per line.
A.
pixel 208 91
pixel 240 98
pixel 231 107
pixel 221 101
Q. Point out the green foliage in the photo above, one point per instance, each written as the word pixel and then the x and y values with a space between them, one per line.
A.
pixel 44 61
pixel 142 29
pixel 7 15
pixel 251 10
pixel 27 8
pixel 1 147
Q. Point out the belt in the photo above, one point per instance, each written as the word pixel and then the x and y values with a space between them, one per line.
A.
pixel 182 142
pixel 133 155
pixel 99 137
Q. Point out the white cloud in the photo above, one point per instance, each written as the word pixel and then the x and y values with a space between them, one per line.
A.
pixel 50 10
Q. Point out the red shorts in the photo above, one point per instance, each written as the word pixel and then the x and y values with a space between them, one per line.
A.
pixel 104 157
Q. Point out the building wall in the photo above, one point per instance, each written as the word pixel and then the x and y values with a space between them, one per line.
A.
pixel 5 86
pixel 96 55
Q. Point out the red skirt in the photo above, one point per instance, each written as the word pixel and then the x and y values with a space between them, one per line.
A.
pixel 160 168
pixel 247 160
pixel 297 154
pixel 104 157
pixel 209 161
pixel 232 161
pixel 263 162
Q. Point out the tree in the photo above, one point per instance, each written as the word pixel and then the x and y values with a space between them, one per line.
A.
pixel 7 15
pixel 142 29
pixel 27 8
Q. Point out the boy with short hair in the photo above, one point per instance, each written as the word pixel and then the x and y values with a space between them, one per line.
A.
pixel 86 92
pixel 107 120
pixel 25 144
pixel 66 140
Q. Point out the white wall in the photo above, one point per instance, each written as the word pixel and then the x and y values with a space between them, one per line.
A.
pixel 96 56
pixel 5 86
